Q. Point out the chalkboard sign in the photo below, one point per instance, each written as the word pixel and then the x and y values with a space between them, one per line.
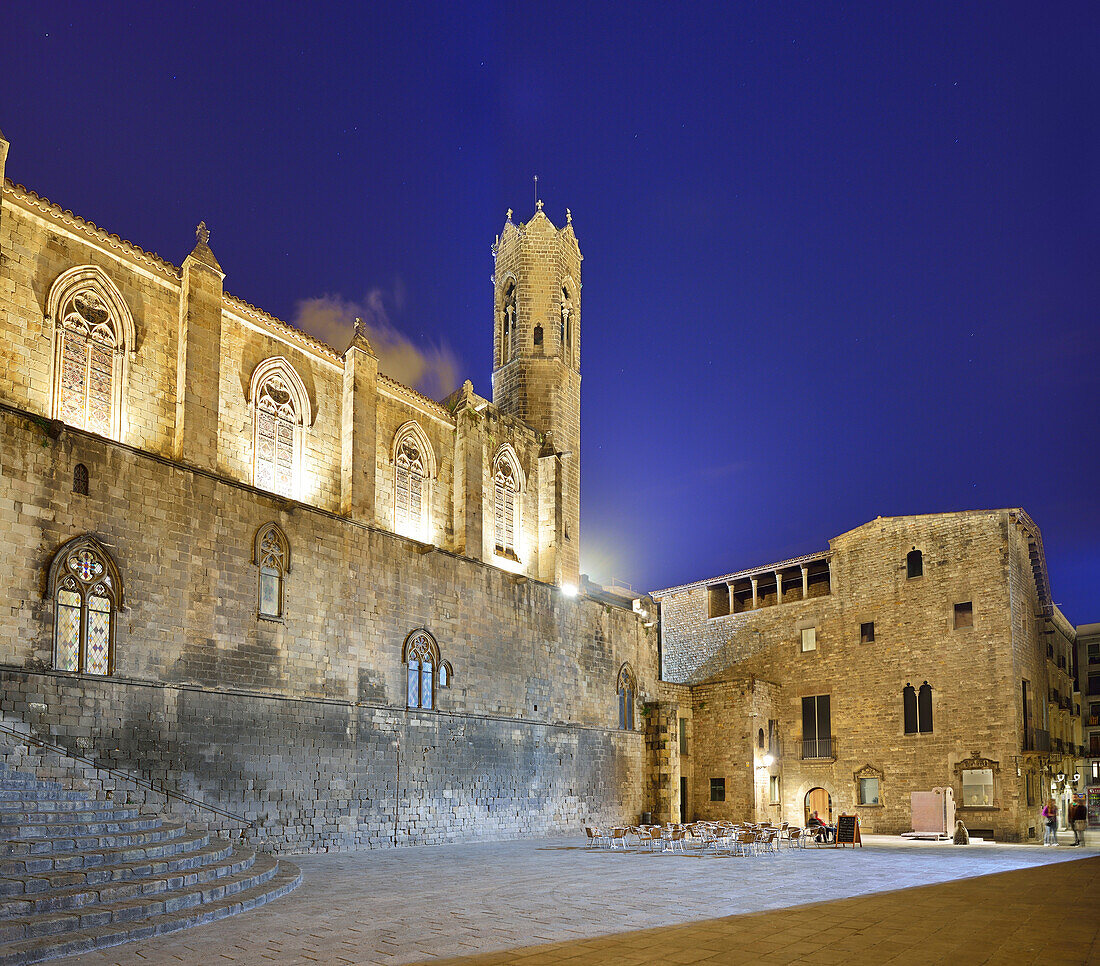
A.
pixel 847 830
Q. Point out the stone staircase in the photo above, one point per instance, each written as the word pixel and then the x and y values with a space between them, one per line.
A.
pixel 77 874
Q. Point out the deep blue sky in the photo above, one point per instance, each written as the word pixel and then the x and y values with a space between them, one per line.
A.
pixel 837 258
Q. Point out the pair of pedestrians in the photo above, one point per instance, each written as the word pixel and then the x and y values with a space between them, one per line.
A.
pixel 1077 816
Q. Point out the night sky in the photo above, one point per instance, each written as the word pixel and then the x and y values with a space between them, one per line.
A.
pixel 840 262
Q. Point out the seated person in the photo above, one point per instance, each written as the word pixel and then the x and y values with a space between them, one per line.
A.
pixel 819 828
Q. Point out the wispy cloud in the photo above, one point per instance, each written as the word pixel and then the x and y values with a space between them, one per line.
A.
pixel 433 370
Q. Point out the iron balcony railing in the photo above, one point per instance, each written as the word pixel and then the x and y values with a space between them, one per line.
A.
pixel 818 748
pixel 1036 739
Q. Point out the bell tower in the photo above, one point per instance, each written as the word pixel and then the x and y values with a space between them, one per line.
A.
pixel 536 371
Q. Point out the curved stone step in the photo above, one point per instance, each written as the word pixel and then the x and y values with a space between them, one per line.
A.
pixel 64 812
pixel 49 846
pixel 216 850
pixel 79 830
pixel 65 861
pixel 22 952
pixel 117 891
pixel 135 910
pixel 39 794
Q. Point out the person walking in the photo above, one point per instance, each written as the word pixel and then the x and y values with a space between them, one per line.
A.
pixel 1050 823
pixel 1078 817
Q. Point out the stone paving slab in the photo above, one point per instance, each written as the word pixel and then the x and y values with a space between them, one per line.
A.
pixel 539 901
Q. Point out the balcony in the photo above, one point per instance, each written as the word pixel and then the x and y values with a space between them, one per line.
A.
pixel 1035 739
pixel 818 748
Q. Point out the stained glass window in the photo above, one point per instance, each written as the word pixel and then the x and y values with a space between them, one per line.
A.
pixel 272 557
pixel 409 489
pixel 90 346
pixel 277 421
pixel 99 634
pixel 68 630
pixel 84 610
pixel 504 506
pixel 422 657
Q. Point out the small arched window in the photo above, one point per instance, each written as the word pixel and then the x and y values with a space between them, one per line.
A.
pixel 80 479
pixel 271 555
pixel 280 411
pixel 422 665
pixel 414 465
pixel 87 591
pixel 507 484
pixel 93 333
pixel 760 739
pixel 538 335
pixel 627 689
pixel 914 563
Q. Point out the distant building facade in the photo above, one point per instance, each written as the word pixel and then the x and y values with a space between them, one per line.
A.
pixel 917 652
pixel 1088 663
pixel 253 568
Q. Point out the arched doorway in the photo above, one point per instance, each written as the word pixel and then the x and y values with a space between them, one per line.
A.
pixel 820 801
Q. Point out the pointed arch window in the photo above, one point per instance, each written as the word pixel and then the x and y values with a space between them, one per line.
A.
pixel 506 486
pixel 414 466
pixel 627 689
pixel 271 555
pixel 280 410
pixel 508 322
pixel 86 589
pixel 93 335
pixel 423 669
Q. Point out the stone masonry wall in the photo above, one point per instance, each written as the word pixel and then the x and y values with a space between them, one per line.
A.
pixel 971 670
pixel 324 689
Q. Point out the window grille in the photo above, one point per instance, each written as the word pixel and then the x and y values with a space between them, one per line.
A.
pixel 505 487
pixel 89 344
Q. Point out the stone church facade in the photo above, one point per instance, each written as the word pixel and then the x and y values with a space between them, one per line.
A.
pixel 916 652
pixel 259 571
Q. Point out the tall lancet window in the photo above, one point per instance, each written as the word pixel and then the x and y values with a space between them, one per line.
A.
pixel 506 485
pixel 413 469
pixel 508 324
pixel 92 333
pixel 280 410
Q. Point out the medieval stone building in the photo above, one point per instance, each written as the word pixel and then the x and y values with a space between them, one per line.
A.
pixel 915 653
pixel 257 570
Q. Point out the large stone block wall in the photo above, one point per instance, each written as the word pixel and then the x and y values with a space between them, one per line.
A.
pixel 531 667
pixel 314 775
pixel 972 671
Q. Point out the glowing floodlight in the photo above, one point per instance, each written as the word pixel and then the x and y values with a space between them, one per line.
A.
pixel 768 761
pixel 570 590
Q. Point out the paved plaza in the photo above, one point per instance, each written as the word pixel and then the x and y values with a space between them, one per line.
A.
pixel 544 902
